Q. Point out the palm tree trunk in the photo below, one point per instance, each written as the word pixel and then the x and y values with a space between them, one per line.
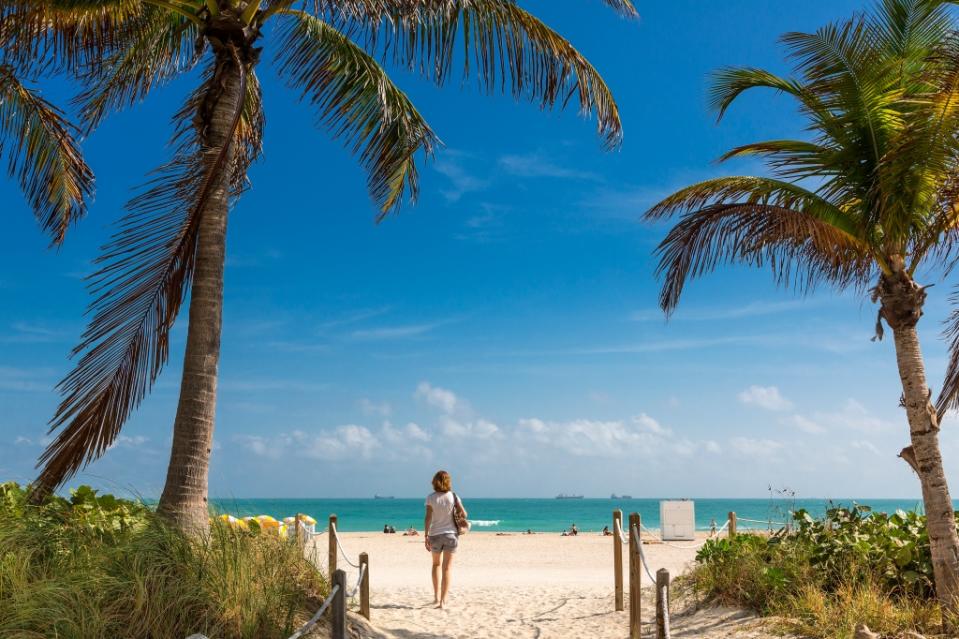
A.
pixel 902 302
pixel 184 498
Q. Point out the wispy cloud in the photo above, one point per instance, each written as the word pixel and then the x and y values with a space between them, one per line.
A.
pixel 536 165
pixel 767 397
pixel 32 333
pixel 752 309
pixel 352 317
pixel 394 332
pixel 451 164
pixel 26 380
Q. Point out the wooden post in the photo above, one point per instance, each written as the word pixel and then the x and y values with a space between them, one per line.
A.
pixel 732 525
pixel 662 604
pixel 635 627
pixel 618 559
pixel 331 556
pixel 299 537
pixel 338 606
pixel 365 586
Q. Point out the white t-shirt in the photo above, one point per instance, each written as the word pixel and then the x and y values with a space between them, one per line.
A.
pixel 442 519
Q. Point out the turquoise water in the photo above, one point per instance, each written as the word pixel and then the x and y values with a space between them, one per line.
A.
pixel 547 515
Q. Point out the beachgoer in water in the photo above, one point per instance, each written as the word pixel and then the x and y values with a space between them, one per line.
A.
pixel 442 535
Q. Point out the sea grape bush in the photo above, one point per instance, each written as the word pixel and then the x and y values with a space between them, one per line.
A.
pixel 847 547
pixel 894 547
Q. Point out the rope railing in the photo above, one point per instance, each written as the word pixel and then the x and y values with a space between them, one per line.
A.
pixel 336 536
pixel 305 628
pixel 359 582
pixel 764 521
pixel 642 555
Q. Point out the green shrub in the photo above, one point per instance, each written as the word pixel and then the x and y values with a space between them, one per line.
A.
pixel 95 566
pixel 824 575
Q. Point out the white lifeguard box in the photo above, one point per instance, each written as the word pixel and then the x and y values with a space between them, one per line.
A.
pixel 677 520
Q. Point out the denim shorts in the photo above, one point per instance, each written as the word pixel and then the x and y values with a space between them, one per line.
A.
pixel 446 542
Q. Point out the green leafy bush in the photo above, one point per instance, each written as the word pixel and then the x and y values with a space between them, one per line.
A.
pixel 95 566
pixel 823 575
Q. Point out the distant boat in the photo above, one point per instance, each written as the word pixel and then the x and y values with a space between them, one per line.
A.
pixel 383 497
pixel 565 496
pixel 615 496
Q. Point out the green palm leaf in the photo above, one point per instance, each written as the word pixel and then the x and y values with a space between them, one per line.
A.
pixel 43 155
pixel 358 102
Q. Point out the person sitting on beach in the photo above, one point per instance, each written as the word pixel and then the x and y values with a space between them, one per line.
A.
pixel 411 532
pixel 529 531
pixel 392 530
pixel 386 529
pixel 573 531
pixel 606 532
pixel 442 535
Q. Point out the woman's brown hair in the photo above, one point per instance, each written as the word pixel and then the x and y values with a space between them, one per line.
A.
pixel 442 482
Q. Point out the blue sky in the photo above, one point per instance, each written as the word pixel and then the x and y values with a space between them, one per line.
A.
pixel 505 327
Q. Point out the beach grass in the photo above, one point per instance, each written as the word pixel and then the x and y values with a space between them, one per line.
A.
pixel 96 567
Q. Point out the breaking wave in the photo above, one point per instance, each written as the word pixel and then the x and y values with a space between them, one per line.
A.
pixel 485 523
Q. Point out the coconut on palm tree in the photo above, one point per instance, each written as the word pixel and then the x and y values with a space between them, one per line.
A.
pixel 868 199
pixel 172 242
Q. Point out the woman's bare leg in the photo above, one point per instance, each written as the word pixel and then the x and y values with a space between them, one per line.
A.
pixel 436 577
pixel 447 571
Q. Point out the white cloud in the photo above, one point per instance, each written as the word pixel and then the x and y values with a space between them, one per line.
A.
pixel 767 397
pixel 854 416
pixel 535 165
pixel 437 397
pixel 22 441
pixel 479 429
pixel 868 446
pixel 369 407
pixel 394 332
pixel 752 309
pixel 751 447
pixel 806 425
pixel 462 181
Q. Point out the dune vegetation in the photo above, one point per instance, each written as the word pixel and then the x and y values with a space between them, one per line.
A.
pixel 822 577
pixel 92 566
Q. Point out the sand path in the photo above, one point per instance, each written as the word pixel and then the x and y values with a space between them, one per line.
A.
pixel 518 586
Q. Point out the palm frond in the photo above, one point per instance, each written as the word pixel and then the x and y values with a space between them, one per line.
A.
pixel 358 102
pixel 949 394
pixel 758 222
pixel 144 277
pixel 157 47
pixel 505 47
pixel 64 33
pixel 43 155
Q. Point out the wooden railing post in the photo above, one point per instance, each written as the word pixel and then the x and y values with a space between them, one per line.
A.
pixel 338 607
pixel 365 586
pixel 732 525
pixel 662 604
pixel 299 537
pixel 635 627
pixel 331 556
pixel 618 559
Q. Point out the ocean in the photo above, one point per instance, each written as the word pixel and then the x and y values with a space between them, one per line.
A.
pixel 541 515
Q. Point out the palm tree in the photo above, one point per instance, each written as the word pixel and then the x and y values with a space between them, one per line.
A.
pixel 867 200
pixel 172 240
pixel 42 153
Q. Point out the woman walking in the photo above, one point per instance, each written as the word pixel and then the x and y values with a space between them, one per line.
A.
pixel 443 509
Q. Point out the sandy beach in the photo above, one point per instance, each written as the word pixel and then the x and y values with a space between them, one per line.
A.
pixel 522 586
